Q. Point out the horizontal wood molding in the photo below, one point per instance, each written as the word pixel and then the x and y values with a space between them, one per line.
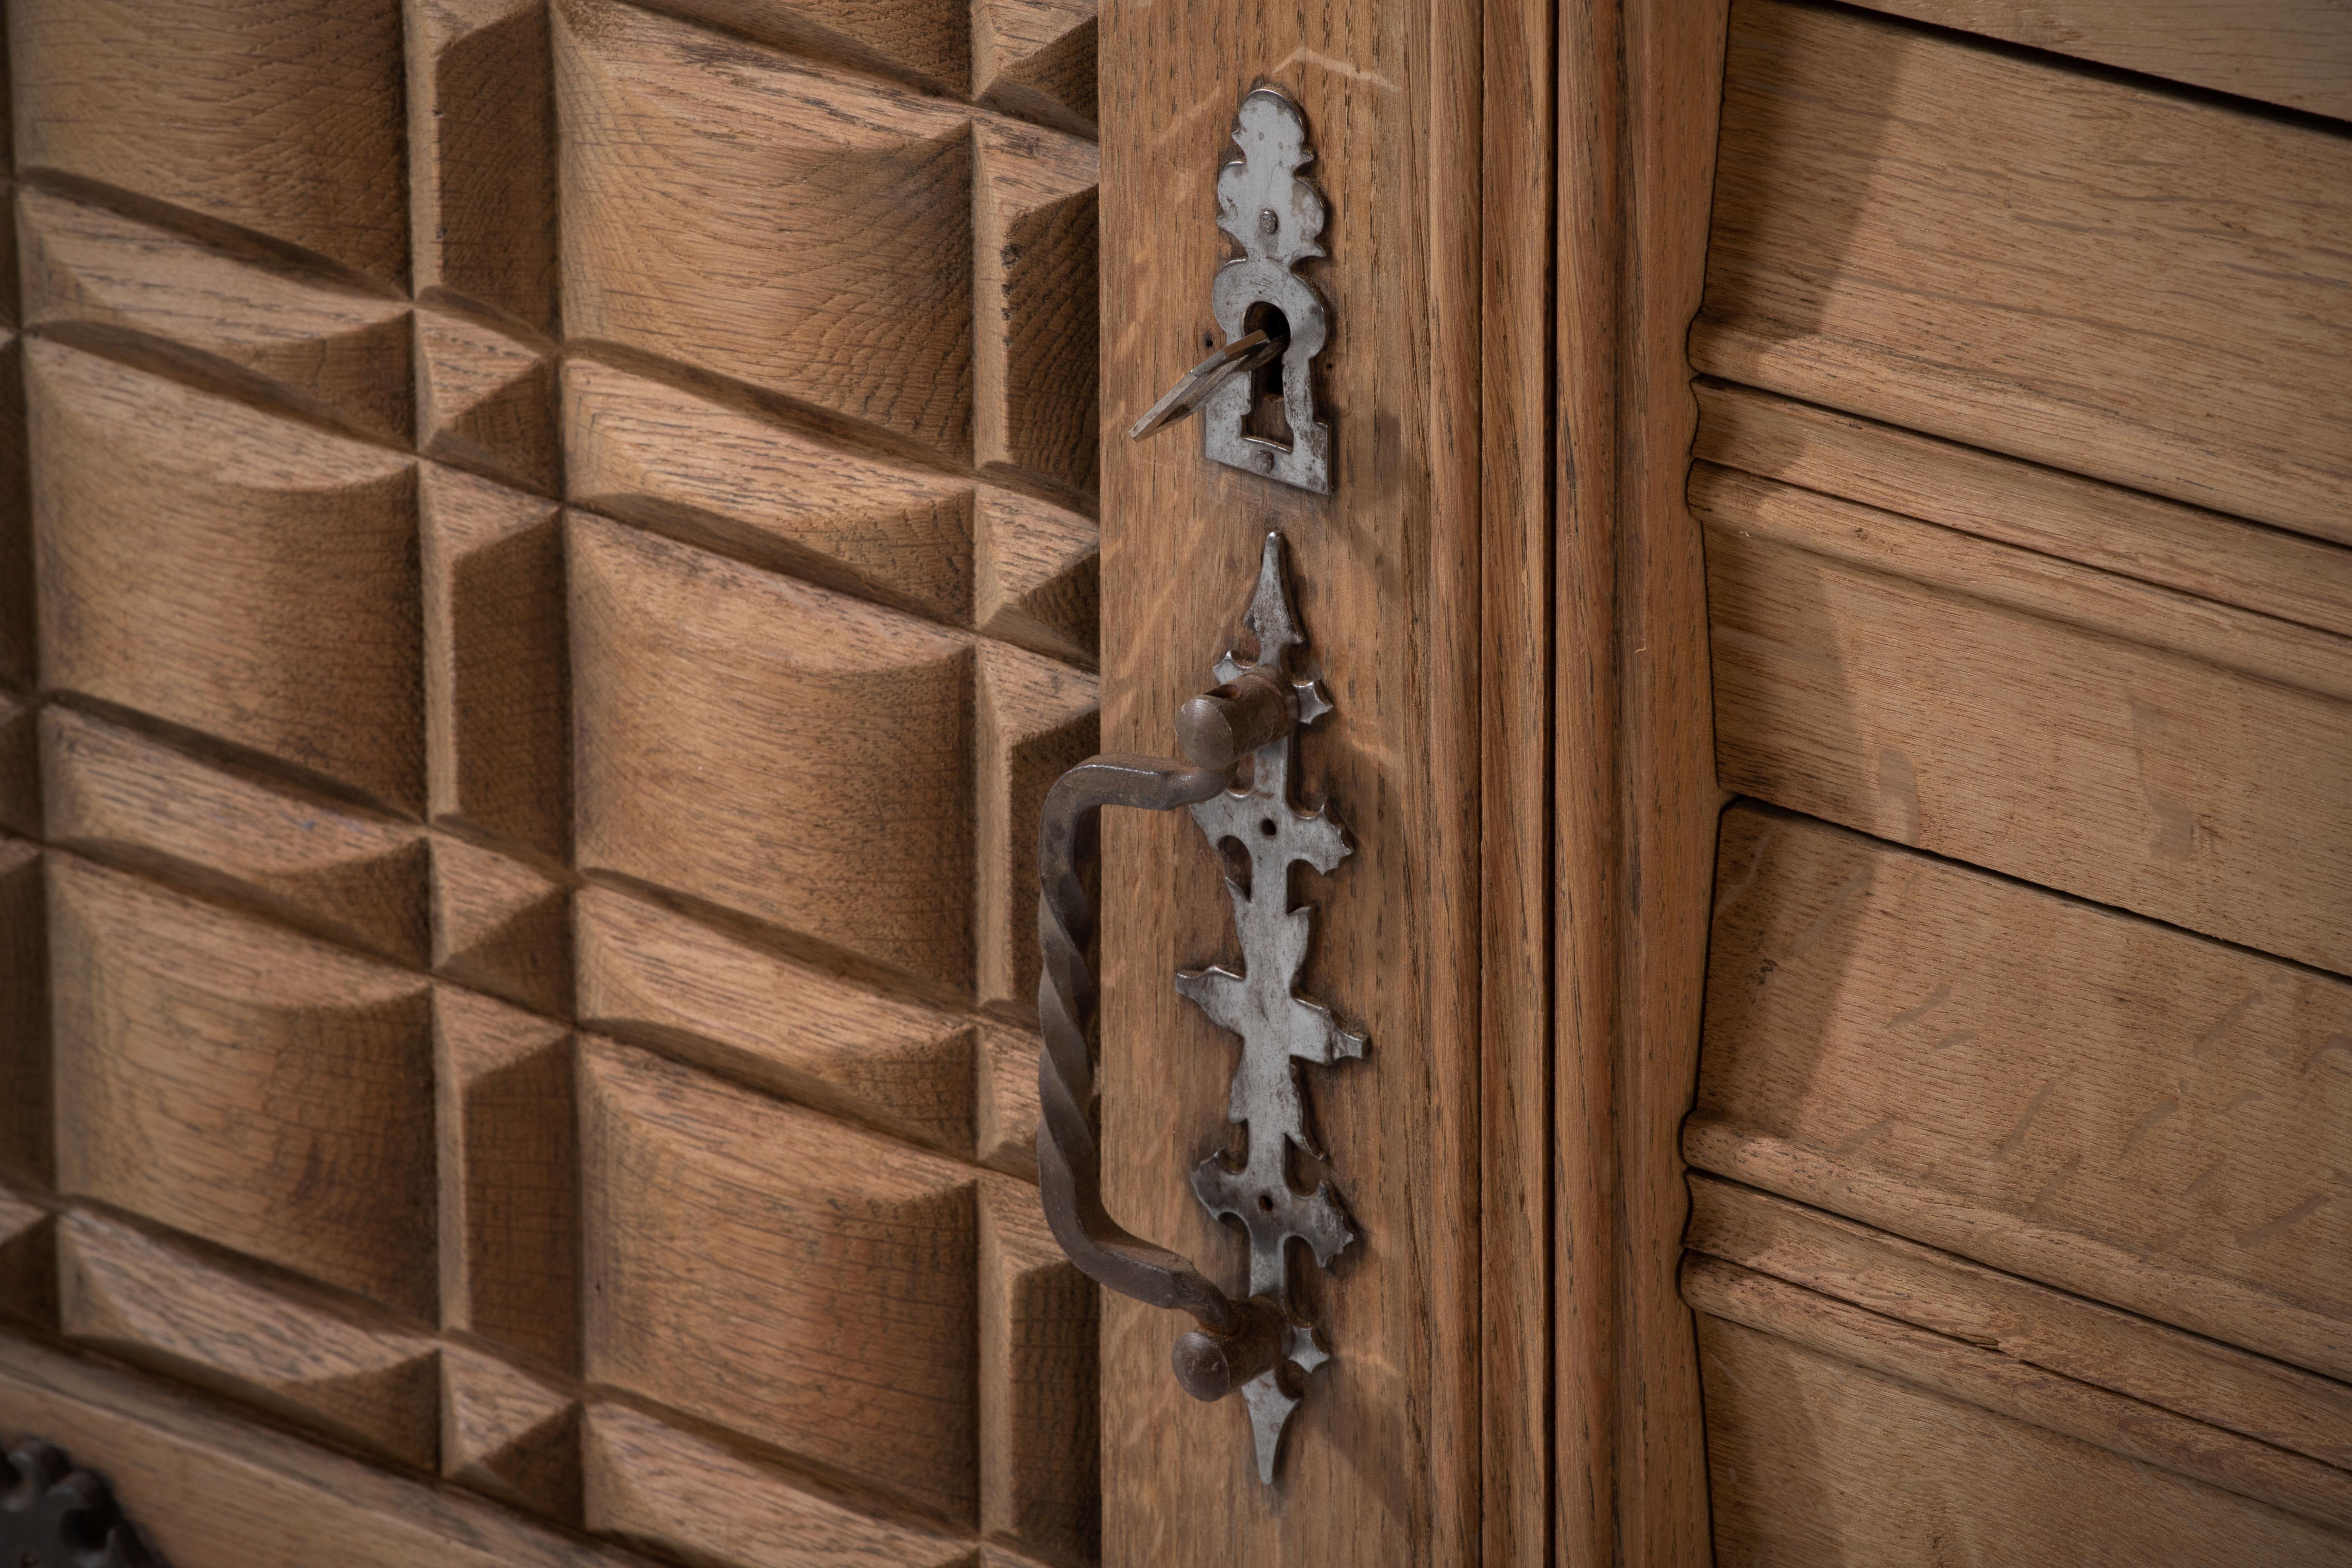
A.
pixel 1819 1462
pixel 2087 597
pixel 1984 702
pixel 2152 1362
pixel 2106 1105
pixel 2296 53
pixel 2287 576
pixel 2026 1394
pixel 2141 286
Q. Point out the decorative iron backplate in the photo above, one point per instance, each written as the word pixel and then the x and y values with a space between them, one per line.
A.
pixel 1278 1028
pixel 1265 203
pixel 55 1516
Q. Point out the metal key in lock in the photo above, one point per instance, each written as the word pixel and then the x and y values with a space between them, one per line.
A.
pixel 1265 204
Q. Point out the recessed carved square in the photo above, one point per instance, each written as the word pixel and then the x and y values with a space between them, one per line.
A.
pixel 1038 1438
pixel 928 42
pixel 653 975
pixel 485 400
pixel 25 1104
pixel 508 1435
pixel 1037 718
pixel 501 926
pixel 497 701
pixel 28 1261
pixel 20 764
pixel 278 336
pixel 1035 402
pixel 282 117
pixel 124 797
pixel 782 750
pixel 807 233
pixel 1035 59
pixel 1039 580
pixel 16 642
pixel 767 1269
pixel 699 470
pixel 509 1176
pixel 227 571
pixel 652 1484
pixel 481 155
pixel 260 1089
pixel 159 1302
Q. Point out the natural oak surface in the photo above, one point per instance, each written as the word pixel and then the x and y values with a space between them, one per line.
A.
pixel 546 560
pixel 2022 420
pixel 2138 286
pixel 1383 1464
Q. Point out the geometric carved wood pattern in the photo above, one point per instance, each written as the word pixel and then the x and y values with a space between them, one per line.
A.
pixel 545 566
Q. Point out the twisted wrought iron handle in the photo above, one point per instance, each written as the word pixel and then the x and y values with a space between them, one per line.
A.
pixel 1238 1339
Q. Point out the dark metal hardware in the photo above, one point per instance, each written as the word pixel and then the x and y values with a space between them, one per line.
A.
pixel 55 1516
pixel 1257 1345
pixel 1239 357
pixel 1264 308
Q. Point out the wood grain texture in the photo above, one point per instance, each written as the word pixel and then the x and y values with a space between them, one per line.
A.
pixel 1984 1376
pixel 508 1436
pixel 485 400
pixel 2104 1104
pixel 1382 1463
pixel 715 476
pixel 501 926
pixel 688 1497
pixel 1005 1110
pixel 699 1198
pixel 279 116
pixel 159 1304
pixel 129 800
pixel 481 155
pixel 1035 59
pixel 1035 217
pixel 26 1128
pixel 927 42
pixel 1817 1461
pixel 774 747
pixel 2297 53
pixel 28 1262
pixel 497 692
pixel 212 1491
pixel 1037 576
pixel 2284 576
pixel 328 352
pixel 226 571
pixel 1983 702
pixel 1039 1442
pixel 507 1147
pixel 2139 287
pixel 1036 719
pixel 808 232
pixel 257 1089
pixel 20 764
pixel 652 976
pixel 17 642
pixel 1633 787
pixel 2133 1356
pixel 1531 1483
pixel 2086 598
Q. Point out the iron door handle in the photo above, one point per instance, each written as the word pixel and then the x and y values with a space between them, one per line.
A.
pixel 1239 739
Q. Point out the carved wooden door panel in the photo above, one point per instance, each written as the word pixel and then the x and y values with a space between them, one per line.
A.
pixel 550 556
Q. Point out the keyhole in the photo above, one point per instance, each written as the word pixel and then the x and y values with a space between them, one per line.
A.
pixel 1268 419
